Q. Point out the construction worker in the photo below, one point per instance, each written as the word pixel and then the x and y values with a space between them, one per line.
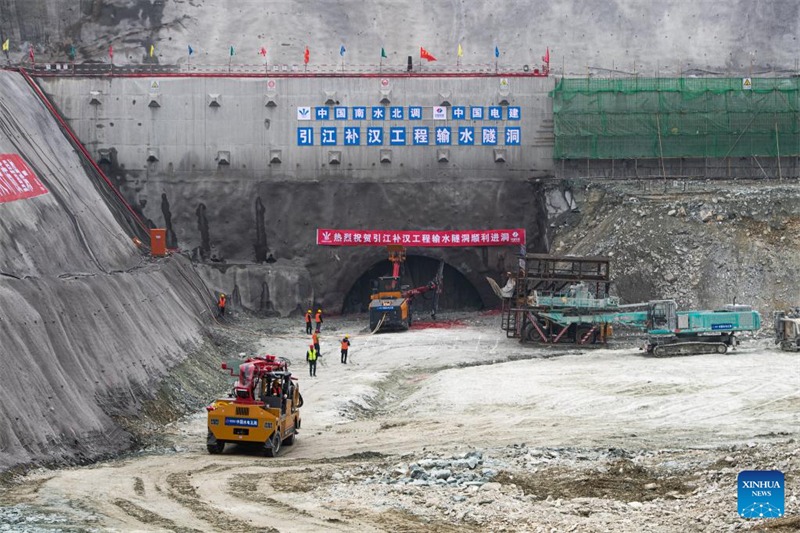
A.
pixel 318 319
pixel 221 304
pixel 315 342
pixel 345 347
pixel 308 322
pixel 311 357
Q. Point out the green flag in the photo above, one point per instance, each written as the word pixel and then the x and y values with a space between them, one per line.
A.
pixel 232 52
pixel 383 53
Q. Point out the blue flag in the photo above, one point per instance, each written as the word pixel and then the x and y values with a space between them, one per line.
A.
pixel 191 50
pixel 496 52
pixel 342 51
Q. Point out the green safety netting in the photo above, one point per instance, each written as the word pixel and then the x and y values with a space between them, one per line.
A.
pixel 675 117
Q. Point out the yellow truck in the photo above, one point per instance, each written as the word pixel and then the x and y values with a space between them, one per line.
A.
pixel 263 410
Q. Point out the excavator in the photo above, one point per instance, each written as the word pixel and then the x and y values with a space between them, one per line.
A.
pixel 390 303
pixel 262 410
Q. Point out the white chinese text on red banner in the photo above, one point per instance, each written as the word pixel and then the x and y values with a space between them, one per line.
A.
pixel 484 237
pixel 17 180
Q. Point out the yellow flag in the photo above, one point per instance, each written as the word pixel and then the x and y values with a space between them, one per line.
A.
pixel 460 51
pixel 5 45
pixel 152 48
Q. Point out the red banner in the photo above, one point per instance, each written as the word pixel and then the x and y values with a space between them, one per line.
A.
pixel 483 237
pixel 17 181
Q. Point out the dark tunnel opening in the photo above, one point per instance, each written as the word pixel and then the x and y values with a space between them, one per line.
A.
pixel 458 294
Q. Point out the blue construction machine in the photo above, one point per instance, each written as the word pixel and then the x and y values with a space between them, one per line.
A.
pixel 565 300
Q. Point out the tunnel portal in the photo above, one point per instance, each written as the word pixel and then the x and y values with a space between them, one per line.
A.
pixel 458 294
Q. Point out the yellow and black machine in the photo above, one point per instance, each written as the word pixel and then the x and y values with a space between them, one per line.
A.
pixel 390 303
pixel 263 410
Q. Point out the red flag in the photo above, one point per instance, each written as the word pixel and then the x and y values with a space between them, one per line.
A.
pixel 30 53
pixel 306 56
pixel 546 56
pixel 263 51
pixel 111 51
pixel 424 54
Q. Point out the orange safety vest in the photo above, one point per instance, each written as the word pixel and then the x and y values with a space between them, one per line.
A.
pixel 318 317
pixel 222 301
pixel 308 318
pixel 345 344
pixel 315 338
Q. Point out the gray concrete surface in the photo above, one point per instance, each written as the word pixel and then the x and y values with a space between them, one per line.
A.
pixel 88 326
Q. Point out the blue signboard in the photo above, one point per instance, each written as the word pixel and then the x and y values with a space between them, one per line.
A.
pixel 397 136
pixel 495 113
pixel 458 112
pixel 359 113
pixel 374 136
pixel 327 136
pixel 513 113
pixel 476 113
pixel 242 422
pixel 513 136
pixel 305 136
pixel 340 113
pixel 489 135
pixel 443 135
pixel 466 135
pixel 415 113
pixel 378 113
pixel 352 136
pixel 396 113
pixel 322 113
pixel 420 135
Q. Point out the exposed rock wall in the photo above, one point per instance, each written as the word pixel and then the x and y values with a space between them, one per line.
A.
pixel 605 37
pixel 88 325
pixel 702 244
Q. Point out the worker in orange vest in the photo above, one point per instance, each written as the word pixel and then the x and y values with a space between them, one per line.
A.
pixel 221 304
pixel 308 322
pixel 315 341
pixel 318 319
pixel 345 347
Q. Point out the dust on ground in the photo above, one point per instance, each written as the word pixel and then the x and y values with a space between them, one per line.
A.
pixel 455 428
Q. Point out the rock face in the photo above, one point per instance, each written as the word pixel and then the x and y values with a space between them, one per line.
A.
pixel 647 39
pixel 88 324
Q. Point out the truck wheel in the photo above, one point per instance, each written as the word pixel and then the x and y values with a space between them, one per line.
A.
pixel 273 446
pixel 216 448
pixel 722 348
pixel 288 441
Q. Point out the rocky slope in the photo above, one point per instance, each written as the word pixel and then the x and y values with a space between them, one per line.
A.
pixel 704 244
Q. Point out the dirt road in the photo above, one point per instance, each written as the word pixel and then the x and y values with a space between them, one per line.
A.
pixel 461 429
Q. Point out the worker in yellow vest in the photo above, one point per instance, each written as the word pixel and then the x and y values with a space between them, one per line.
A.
pixel 311 357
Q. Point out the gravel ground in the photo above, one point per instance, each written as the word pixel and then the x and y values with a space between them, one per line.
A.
pixel 457 428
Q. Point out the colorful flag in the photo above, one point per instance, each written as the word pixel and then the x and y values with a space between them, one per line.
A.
pixel 6 43
pixel 232 51
pixel 191 50
pixel 496 52
pixel 111 51
pixel 383 53
pixel 263 52
pixel 306 56
pixel 460 51
pixel 152 49
pixel 342 51
pixel 546 56
pixel 424 54
pixel 30 53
